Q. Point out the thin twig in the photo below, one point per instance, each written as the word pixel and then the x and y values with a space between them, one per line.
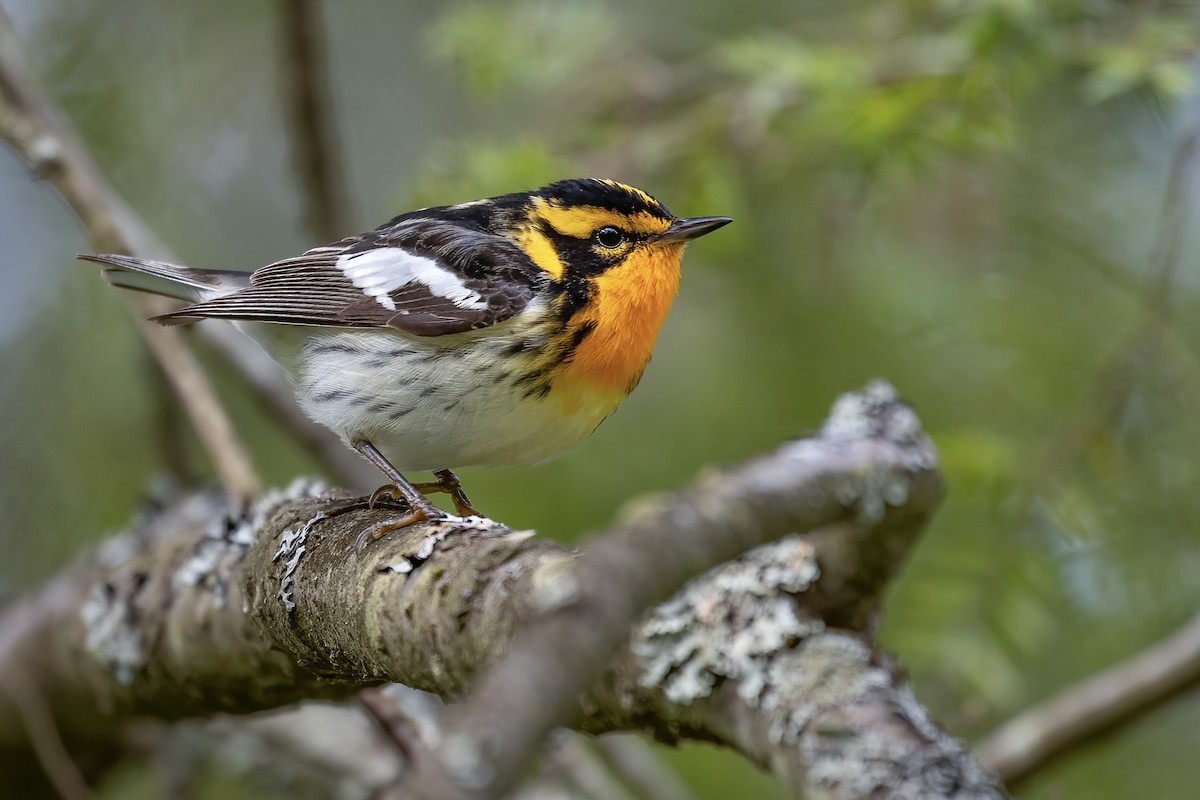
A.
pixel 31 126
pixel 1177 209
pixel 638 765
pixel 1093 706
pixel 571 758
pixel 393 723
pixel 229 457
pixel 310 111
pixel 1027 742
pixel 43 734
pixel 1137 351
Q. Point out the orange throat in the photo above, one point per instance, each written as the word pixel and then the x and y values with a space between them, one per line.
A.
pixel 629 304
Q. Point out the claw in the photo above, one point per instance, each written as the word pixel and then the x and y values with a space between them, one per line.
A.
pixel 381 529
pixel 388 490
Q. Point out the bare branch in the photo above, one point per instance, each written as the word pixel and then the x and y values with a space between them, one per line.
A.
pixel 580 767
pixel 1142 346
pixel 398 724
pixel 310 109
pixel 635 762
pixel 35 130
pixel 46 143
pixel 1094 706
pixel 201 611
pixel 47 745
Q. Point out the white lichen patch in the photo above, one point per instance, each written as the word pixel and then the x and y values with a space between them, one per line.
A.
pixel 110 633
pixel 293 543
pixel 115 611
pixel 226 541
pixel 440 532
pixel 110 615
pixel 878 412
pixel 266 506
pixel 840 670
pixel 874 413
pixel 727 623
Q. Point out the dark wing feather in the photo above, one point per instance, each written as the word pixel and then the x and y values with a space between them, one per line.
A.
pixel 424 276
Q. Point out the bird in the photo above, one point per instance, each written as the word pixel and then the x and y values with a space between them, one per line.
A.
pixel 496 332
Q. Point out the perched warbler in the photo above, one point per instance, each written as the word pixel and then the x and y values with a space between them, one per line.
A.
pixel 496 332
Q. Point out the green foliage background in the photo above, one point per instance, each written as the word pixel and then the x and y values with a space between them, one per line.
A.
pixel 988 202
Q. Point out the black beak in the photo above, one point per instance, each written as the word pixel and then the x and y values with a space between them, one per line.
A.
pixel 684 230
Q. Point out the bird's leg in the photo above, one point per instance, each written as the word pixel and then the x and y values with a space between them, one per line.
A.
pixel 449 483
pixel 420 509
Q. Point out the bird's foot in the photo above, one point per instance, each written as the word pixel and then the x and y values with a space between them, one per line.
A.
pixel 449 483
pixel 423 513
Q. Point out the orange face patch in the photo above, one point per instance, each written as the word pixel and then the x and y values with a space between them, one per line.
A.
pixel 627 308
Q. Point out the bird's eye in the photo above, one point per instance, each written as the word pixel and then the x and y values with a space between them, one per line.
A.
pixel 610 237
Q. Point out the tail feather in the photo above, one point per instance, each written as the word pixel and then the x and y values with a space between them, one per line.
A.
pixel 157 277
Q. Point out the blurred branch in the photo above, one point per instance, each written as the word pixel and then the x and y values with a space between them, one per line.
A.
pixel 637 764
pixel 1140 347
pixel 411 721
pixel 1106 700
pixel 400 725
pixel 570 757
pixel 47 745
pixel 313 132
pixel 31 126
pixel 35 130
pixel 1177 212
pixel 1131 689
pixel 204 609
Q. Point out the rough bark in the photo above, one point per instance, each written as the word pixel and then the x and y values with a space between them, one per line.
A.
pixel 199 610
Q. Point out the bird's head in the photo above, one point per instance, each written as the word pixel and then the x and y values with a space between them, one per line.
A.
pixel 583 228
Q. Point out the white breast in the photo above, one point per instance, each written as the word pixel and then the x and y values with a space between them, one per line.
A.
pixel 437 402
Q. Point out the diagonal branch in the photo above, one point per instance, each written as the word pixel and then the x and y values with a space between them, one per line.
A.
pixel 633 761
pixel 199 612
pixel 871 451
pixel 37 133
pixel 46 144
pixel 1094 706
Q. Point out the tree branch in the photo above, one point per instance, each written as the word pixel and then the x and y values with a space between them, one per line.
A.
pixel 199 611
pixel 870 451
pixel 313 135
pixel 37 133
pixel 632 759
pixel 1094 706
pixel 47 145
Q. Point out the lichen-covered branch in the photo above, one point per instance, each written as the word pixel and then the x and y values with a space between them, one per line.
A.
pixel 199 611
pixel 870 468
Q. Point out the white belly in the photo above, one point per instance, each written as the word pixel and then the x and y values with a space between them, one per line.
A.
pixel 435 402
